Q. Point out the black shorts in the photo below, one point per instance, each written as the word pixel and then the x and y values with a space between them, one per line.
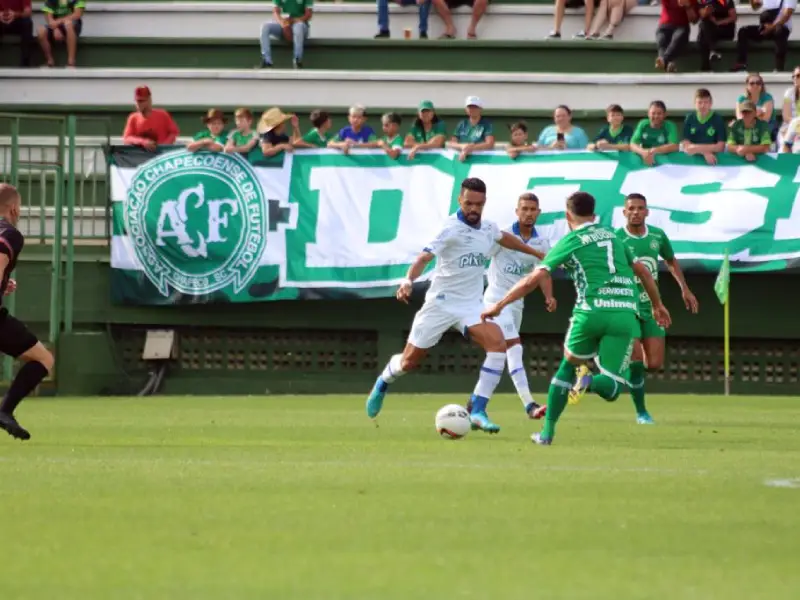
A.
pixel 77 25
pixel 456 3
pixel 15 338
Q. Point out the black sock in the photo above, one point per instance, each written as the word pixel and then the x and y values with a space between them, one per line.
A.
pixel 28 377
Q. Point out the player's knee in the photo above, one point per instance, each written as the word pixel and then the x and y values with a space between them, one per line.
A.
pixel 41 355
pixel 655 363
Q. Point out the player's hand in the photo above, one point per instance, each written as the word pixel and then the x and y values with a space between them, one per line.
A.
pixel 11 287
pixel 550 304
pixel 404 292
pixel 661 315
pixel 491 312
pixel 692 305
pixel 711 158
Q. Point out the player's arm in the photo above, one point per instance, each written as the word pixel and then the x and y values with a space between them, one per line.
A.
pixel 522 288
pixel 414 271
pixel 512 242
pixel 546 285
pixel 689 299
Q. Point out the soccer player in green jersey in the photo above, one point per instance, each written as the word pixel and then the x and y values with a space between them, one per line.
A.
pixel 604 319
pixel 647 244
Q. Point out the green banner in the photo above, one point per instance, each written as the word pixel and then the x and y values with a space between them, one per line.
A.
pixel 199 228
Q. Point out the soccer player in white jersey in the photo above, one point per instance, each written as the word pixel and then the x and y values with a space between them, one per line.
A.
pixel 454 300
pixel 506 269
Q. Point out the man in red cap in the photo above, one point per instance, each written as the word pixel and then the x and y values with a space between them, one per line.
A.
pixel 15 19
pixel 147 126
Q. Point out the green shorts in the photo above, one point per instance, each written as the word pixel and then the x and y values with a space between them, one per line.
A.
pixel 607 337
pixel 648 327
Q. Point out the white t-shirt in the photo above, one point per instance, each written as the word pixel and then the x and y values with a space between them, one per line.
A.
pixel 461 253
pixel 783 5
pixel 788 100
pixel 509 266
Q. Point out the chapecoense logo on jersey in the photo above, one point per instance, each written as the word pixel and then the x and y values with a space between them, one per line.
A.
pixel 518 269
pixel 473 259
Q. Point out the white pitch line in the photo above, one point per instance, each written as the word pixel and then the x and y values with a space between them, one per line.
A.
pixel 783 483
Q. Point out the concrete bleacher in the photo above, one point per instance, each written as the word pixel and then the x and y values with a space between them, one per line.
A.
pixel 341 21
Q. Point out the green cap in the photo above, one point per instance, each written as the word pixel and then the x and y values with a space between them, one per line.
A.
pixel 426 105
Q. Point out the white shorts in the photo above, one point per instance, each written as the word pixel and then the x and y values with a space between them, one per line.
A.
pixel 510 321
pixel 435 318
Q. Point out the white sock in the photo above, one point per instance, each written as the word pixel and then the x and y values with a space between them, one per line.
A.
pixel 490 374
pixel 516 368
pixel 393 370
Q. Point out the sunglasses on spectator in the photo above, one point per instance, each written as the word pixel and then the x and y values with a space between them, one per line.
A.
pixel 755 82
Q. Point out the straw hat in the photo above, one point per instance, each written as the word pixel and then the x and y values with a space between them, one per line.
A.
pixel 271 119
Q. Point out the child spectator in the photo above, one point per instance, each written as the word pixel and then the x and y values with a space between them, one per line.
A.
pixel 519 140
pixel 427 132
pixel 272 128
pixel 242 139
pixel 655 135
pixel 317 137
pixel 749 136
pixel 63 24
pixel 704 129
pixel 357 133
pixel 212 138
pixel 562 135
pixel 616 135
pixel 392 141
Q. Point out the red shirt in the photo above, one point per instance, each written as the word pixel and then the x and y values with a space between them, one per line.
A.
pixel 673 14
pixel 17 6
pixel 157 126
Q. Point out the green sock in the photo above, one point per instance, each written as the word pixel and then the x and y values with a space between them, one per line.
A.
pixel 637 386
pixel 605 387
pixel 557 396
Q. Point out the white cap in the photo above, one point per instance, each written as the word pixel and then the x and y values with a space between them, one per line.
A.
pixel 473 101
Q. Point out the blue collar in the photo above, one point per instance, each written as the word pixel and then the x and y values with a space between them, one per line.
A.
pixel 463 219
pixel 515 229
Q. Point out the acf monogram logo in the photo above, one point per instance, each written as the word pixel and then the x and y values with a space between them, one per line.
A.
pixel 198 222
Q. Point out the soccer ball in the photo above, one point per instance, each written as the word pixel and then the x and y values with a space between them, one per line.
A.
pixel 452 422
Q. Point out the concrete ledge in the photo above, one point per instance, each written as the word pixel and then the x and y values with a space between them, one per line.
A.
pixel 520 92
pixel 242 20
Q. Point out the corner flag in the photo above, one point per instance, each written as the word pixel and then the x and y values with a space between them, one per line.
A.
pixel 723 280
pixel 722 289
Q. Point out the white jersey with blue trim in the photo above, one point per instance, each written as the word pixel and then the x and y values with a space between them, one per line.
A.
pixel 461 251
pixel 509 266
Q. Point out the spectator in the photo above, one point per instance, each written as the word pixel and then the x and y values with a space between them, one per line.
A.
pixel 519 140
pixel 443 8
pixel 789 137
pixel 212 138
pixel 791 101
pixel 756 92
pixel 655 135
pixel 775 23
pixel 563 135
pixel 616 135
pixel 614 11
pixel 272 128
pixel 357 134
pixel 392 141
pixel 673 31
pixel 558 17
pixel 473 133
pixel 63 24
pixel 383 17
pixel 427 132
pixel 291 22
pixel 15 19
pixel 749 135
pixel 148 127
pixel 717 23
pixel 317 137
pixel 242 139
pixel 704 130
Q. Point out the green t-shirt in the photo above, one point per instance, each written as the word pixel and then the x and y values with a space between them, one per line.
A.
pixel 757 135
pixel 649 137
pixel 421 136
pixel 237 138
pixel 395 142
pixel 647 248
pixel 62 8
pixel 704 131
pixel 622 135
pixel 293 8
pixel 467 133
pixel 221 139
pixel 600 267
pixel 315 138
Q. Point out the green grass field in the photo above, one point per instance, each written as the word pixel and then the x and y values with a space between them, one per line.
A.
pixel 298 498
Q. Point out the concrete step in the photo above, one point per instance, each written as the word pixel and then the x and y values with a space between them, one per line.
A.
pixel 400 55
pixel 519 92
pixel 351 20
